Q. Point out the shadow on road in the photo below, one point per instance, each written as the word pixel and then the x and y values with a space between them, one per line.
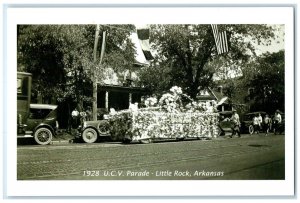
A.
pixel 26 141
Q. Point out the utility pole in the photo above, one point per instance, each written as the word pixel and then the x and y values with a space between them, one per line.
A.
pixel 94 76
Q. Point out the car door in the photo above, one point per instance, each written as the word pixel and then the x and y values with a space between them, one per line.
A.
pixel 36 116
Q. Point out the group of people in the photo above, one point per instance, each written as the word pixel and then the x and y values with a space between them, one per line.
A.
pixel 265 124
pixel 259 123
pixel 79 117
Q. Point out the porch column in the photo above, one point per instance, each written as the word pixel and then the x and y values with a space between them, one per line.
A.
pixel 130 98
pixel 106 100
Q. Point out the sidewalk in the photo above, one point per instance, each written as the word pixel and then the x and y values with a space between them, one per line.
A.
pixel 62 138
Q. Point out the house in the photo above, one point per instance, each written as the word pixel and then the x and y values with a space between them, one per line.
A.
pixel 209 94
pixel 119 90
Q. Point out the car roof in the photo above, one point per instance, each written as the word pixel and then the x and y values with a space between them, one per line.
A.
pixel 43 106
pixel 225 112
pixel 261 112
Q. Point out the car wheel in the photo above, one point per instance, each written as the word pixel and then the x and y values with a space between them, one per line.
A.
pixel 126 141
pixel 43 136
pixel 180 138
pixel 220 132
pixel 251 129
pixel 89 135
pixel 103 128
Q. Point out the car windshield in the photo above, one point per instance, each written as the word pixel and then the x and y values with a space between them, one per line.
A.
pixel 249 117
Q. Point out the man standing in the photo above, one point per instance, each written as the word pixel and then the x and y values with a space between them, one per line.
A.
pixel 236 124
pixel 75 118
pixel 260 120
pixel 267 124
pixel 277 121
pixel 256 124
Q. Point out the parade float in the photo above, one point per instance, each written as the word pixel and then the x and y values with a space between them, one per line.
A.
pixel 173 116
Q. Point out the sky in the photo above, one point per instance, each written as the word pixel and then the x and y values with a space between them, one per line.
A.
pixel 277 43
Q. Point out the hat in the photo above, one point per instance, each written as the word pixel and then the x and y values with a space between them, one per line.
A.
pixel 277 111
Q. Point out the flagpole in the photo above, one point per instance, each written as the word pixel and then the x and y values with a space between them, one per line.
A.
pixel 102 47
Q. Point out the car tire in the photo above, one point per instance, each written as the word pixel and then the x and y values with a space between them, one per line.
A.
pixel 180 138
pixel 251 129
pixel 43 136
pixel 103 128
pixel 89 135
pixel 126 141
pixel 220 132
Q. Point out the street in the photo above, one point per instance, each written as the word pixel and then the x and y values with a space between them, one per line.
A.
pixel 256 157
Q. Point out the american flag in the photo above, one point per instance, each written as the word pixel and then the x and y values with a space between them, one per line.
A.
pixel 220 39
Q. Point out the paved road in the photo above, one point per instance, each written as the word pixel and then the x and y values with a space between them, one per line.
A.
pixel 247 158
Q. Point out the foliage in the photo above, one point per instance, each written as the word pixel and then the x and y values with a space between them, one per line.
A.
pixel 268 82
pixel 150 102
pixel 186 54
pixel 120 125
pixel 54 56
pixel 60 57
pixel 119 51
pixel 176 101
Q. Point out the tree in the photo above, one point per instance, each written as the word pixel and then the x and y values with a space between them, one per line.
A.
pixel 57 56
pixel 60 57
pixel 188 52
pixel 268 82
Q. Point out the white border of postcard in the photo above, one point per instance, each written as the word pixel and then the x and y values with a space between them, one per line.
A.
pixel 143 15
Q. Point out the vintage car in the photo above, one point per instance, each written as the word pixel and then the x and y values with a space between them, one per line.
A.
pixel 90 131
pixel 247 121
pixel 42 123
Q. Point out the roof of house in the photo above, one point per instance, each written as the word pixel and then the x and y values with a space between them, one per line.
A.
pixel 209 94
pixel 205 97
pixel 119 88
pixel 43 106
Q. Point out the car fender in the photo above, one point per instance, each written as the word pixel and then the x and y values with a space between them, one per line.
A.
pixel 90 126
pixel 95 125
pixel 45 125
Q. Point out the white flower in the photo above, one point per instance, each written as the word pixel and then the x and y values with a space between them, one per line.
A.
pixel 151 101
pixel 82 114
pixel 133 107
pixel 112 111
pixel 176 90
pixel 75 113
